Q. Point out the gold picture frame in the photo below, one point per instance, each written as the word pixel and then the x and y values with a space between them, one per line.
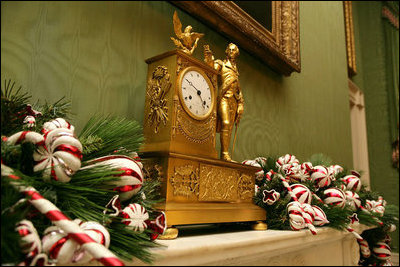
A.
pixel 279 48
pixel 350 44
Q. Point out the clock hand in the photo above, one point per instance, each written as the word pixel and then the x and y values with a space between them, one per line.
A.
pixel 198 92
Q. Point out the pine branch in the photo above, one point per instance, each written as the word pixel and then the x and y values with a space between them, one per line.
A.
pixel 116 135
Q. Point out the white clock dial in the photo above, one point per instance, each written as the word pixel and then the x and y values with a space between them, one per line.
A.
pixel 196 94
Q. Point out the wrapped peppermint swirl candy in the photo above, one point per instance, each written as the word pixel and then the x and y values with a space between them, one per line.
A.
pixel 335 170
pixel 334 196
pixel 130 180
pixel 364 248
pixel 302 193
pixel 284 163
pixel 382 251
pixel 353 199
pixel 60 156
pixel 320 176
pixel 320 217
pixel 30 240
pixel 299 173
pixel 375 206
pixel 57 123
pixel 158 225
pixel 29 121
pixel 309 213
pixel 296 219
pixel 270 196
pixel 60 247
pixel 352 183
pixel 135 217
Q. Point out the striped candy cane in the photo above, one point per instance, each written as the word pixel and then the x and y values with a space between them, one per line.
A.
pixel 293 196
pixel 98 251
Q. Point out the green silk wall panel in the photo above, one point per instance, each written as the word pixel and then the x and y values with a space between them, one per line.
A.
pixel 93 53
pixel 372 79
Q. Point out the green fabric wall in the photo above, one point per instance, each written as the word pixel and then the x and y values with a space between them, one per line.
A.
pixel 372 71
pixel 93 53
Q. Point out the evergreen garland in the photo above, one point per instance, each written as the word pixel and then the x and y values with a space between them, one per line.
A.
pixel 339 217
pixel 90 189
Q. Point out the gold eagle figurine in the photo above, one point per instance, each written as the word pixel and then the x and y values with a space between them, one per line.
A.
pixel 186 38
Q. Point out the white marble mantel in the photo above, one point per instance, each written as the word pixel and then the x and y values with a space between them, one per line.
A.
pixel 216 245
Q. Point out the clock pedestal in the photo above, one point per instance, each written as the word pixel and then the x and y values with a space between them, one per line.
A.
pixel 201 190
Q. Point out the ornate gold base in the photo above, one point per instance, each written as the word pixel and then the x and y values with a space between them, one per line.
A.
pixel 260 226
pixel 169 234
pixel 202 190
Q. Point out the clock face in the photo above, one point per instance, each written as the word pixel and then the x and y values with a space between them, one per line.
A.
pixel 196 93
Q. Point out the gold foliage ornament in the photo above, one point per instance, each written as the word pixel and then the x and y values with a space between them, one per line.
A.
pixel 158 87
pixel 187 40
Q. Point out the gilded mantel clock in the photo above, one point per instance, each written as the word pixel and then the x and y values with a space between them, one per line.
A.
pixel 180 108
pixel 180 119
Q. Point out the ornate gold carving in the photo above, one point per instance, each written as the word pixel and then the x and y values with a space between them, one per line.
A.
pixel 218 183
pixel 350 47
pixel 152 171
pixel 187 40
pixel 181 64
pixel 158 86
pixel 246 187
pixel 185 181
pixel 199 132
pixel 290 30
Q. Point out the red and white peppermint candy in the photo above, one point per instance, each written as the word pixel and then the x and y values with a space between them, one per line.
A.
pixel 302 193
pixel 29 121
pixel 334 196
pixel 135 217
pixel 382 201
pixel 320 176
pixel 60 156
pixel 131 178
pixel 320 218
pixel 59 246
pixel 159 225
pixel 25 136
pixel 375 206
pixel 296 219
pixel 284 163
pixel 300 173
pixel 309 213
pixel 382 251
pixel 270 196
pixel 287 159
pixel 364 248
pixel 353 199
pixel 57 123
pixel 260 172
pixel 30 240
pixel 352 183
pixel 335 170
pixel 355 173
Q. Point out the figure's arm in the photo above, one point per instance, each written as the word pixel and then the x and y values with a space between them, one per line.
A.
pixel 240 107
pixel 208 56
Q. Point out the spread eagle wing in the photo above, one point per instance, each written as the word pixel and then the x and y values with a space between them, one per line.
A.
pixel 177 25
pixel 196 35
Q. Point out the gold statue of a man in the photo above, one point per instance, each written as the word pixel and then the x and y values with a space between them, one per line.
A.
pixel 230 98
